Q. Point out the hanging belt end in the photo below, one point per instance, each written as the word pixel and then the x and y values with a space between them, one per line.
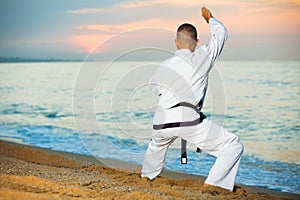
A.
pixel 184 158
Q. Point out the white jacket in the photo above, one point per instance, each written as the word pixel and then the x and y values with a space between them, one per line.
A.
pixel 184 76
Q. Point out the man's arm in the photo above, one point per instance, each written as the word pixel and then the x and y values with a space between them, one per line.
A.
pixel 218 35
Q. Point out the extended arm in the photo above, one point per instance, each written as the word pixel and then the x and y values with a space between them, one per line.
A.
pixel 218 35
pixel 210 52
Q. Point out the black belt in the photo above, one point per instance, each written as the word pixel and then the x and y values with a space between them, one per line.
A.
pixel 182 124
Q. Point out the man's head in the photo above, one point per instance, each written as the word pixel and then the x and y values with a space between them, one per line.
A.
pixel 186 37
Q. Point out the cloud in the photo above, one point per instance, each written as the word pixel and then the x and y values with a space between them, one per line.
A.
pixel 89 41
pixel 135 4
pixel 246 20
pixel 177 3
pixel 145 42
pixel 138 4
pixel 233 12
pixel 117 28
pixel 251 5
pixel 101 28
pixel 89 10
pixel 80 25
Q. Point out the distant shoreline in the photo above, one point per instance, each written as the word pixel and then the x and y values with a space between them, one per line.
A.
pixel 33 60
pixel 37 60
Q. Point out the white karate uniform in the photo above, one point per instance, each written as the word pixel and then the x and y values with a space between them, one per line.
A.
pixel 184 78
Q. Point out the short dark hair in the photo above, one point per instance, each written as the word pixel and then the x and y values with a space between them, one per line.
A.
pixel 187 29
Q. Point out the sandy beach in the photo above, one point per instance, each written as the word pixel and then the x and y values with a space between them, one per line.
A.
pixel 33 173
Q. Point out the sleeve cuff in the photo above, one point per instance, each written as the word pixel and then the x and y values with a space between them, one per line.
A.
pixel 211 19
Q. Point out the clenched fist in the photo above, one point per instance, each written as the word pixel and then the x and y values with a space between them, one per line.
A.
pixel 206 14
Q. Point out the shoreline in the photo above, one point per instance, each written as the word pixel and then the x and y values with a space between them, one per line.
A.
pixel 115 178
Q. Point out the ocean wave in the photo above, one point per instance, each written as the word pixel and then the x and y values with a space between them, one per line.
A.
pixel 32 111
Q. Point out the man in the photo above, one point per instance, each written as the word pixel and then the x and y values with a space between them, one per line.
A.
pixel 181 83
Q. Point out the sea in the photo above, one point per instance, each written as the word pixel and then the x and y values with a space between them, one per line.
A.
pixel 105 110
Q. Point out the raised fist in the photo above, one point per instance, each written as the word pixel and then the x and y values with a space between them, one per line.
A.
pixel 206 14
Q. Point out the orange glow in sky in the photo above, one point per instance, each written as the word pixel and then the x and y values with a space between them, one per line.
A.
pixel 77 28
pixel 263 17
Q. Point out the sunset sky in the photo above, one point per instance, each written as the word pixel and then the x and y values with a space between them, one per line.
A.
pixel 258 29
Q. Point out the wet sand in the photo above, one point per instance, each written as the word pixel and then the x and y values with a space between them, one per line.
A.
pixel 34 173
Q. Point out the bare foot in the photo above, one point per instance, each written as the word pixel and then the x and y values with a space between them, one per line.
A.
pixel 206 185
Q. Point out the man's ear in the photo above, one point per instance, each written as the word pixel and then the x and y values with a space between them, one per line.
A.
pixel 198 42
pixel 177 43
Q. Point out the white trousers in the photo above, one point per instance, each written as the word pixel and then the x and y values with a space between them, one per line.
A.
pixel 208 136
